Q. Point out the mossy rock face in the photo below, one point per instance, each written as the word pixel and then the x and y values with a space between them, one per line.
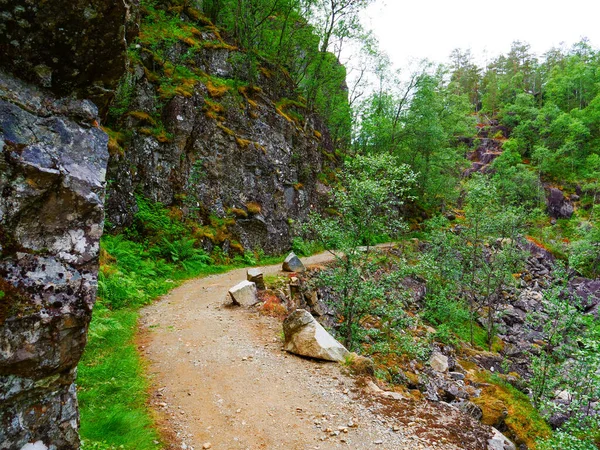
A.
pixel 53 160
pixel 68 45
pixel 211 136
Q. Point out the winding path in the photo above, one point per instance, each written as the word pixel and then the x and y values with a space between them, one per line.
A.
pixel 222 381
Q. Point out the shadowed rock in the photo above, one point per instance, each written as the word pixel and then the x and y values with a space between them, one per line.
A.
pixel 559 207
pixel 68 46
pixel 293 264
pixel 256 276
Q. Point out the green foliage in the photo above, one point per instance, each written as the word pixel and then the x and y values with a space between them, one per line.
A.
pixel 305 248
pixel 123 96
pixel 112 389
pixel 516 183
pixel 565 440
pixel 585 252
pixel 366 204
pixel 420 133
pixel 470 266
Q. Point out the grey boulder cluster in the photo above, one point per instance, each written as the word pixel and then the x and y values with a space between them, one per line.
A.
pixel 303 335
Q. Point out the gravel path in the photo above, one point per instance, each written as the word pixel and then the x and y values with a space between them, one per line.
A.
pixel 221 381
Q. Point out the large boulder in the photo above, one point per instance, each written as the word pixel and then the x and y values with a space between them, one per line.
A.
pixel 244 294
pixel 293 264
pixel 559 207
pixel 52 181
pixel 68 46
pixel 306 337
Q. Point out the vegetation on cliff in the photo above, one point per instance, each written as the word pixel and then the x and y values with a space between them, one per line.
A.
pixel 481 164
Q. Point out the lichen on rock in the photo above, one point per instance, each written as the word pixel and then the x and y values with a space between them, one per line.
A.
pixel 52 181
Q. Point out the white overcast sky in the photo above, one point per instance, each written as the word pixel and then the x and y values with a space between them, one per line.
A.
pixel 417 29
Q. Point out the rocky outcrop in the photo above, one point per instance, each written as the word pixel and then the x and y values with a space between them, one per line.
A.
pixel 68 46
pixel 52 180
pixel 306 337
pixel 235 151
pixel 559 206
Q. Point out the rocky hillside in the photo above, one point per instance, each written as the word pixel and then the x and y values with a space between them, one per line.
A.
pixel 195 129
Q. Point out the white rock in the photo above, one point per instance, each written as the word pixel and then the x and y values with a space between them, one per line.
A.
pixel 39 445
pixel 438 362
pixel 500 442
pixel 306 337
pixel 244 293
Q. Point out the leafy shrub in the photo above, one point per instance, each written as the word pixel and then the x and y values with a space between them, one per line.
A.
pixel 564 440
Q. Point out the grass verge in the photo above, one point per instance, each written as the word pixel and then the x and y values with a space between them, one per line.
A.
pixel 157 254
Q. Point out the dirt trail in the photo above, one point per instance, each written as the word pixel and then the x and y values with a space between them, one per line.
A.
pixel 221 377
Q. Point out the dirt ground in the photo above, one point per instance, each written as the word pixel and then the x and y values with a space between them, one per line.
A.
pixel 222 381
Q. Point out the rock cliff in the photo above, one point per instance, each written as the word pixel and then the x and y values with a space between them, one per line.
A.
pixel 52 172
pixel 204 134
pixel 68 46
pixel 53 160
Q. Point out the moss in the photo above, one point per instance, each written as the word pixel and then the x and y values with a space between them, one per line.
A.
pixel 116 141
pixel 236 246
pixel 192 42
pixel 216 90
pixel 253 208
pixel 502 403
pixel 285 103
pixel 226 130
pixel 238 212
pixel 242 143
pixel 219 45
pixel 214 110
pixel 196 15
pixel 265 72
pixel 142 117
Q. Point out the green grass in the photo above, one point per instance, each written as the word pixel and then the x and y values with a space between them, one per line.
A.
pixel 112 386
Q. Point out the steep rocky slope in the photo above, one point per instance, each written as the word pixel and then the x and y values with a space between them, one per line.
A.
pixel 196 129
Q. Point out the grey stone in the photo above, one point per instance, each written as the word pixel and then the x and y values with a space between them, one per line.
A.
pixel 500 442
pixel 52 176
pixel 457 375
pixel 256 276
pixel 438 362
pixel 244 293
pixel 293 264
pixel 306 337
pixel 559 207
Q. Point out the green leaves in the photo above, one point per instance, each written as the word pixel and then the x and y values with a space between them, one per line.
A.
pixel 365 204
